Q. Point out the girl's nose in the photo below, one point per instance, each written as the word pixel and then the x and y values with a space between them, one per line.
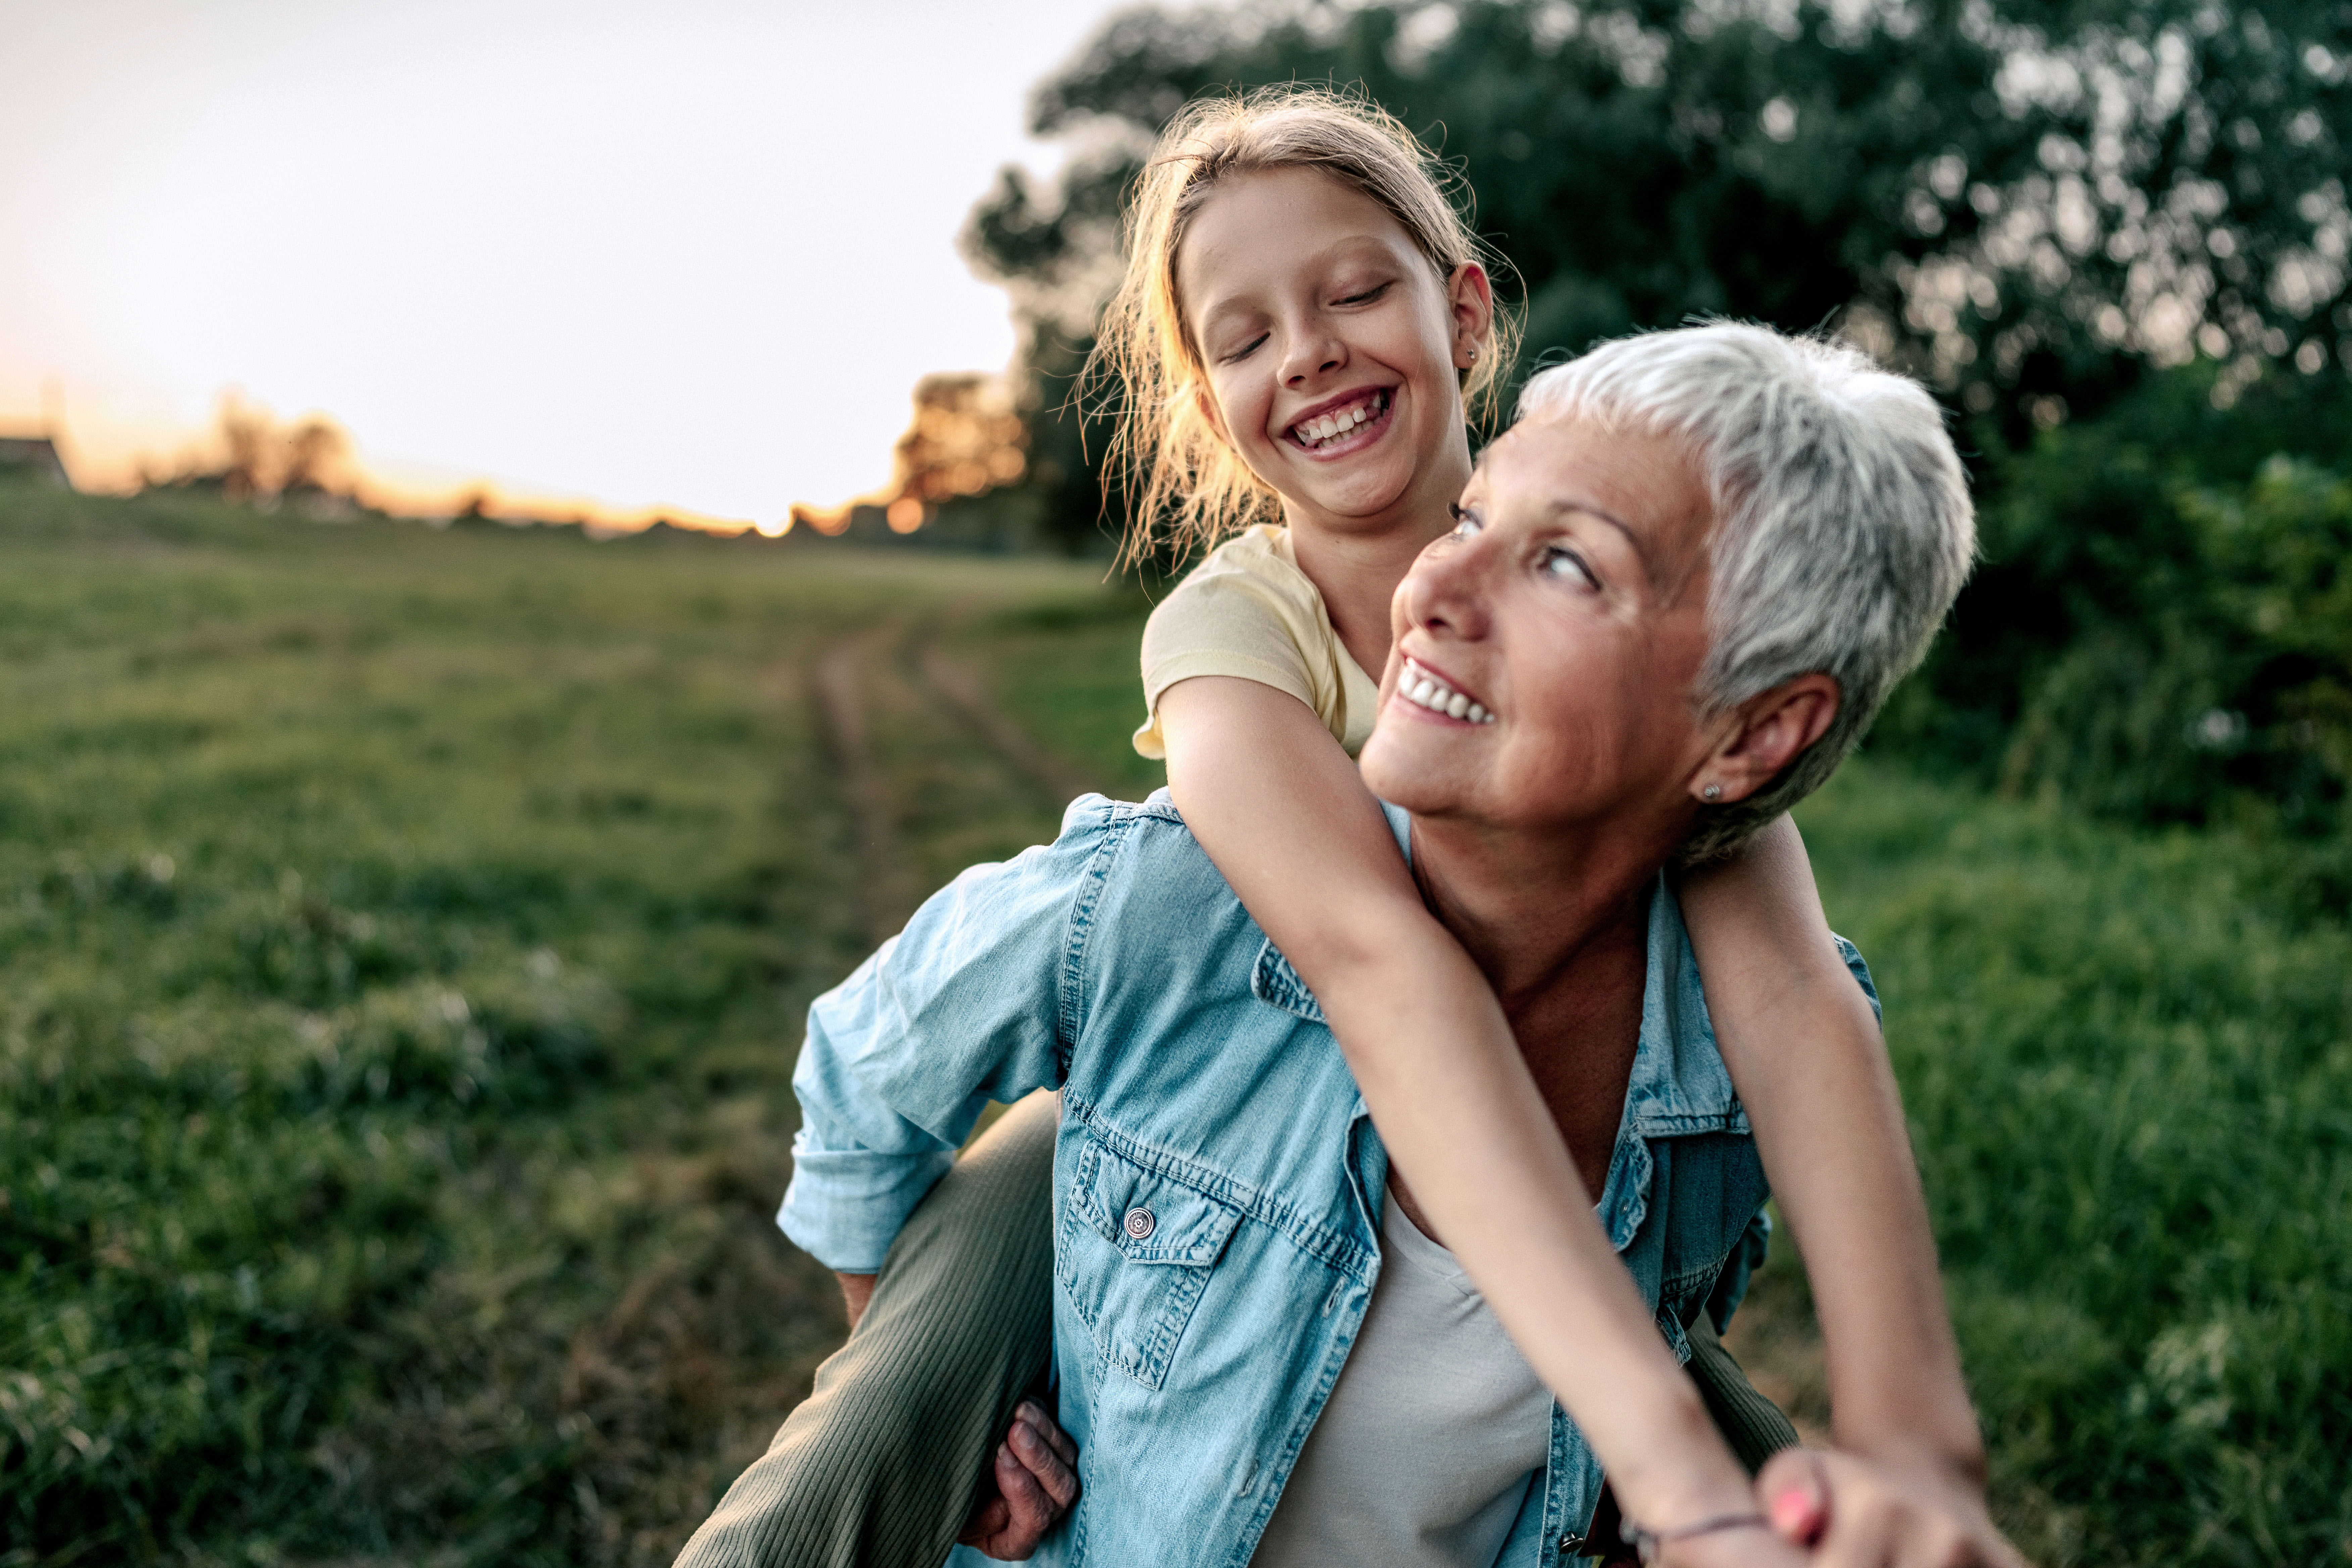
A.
pixel 1313 351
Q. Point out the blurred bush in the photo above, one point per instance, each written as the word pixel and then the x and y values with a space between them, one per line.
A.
pixel 2162 630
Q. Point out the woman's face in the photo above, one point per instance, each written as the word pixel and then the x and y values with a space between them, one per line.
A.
pixel 1330 347
pixel 1568 611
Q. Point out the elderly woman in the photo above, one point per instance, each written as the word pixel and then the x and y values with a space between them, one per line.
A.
pixel 1251 1363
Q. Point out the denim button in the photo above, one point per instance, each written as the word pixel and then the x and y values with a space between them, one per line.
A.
pixel 1139 1223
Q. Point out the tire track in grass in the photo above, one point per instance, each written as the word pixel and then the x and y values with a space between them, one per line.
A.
pixel 887 888
pixel 956 689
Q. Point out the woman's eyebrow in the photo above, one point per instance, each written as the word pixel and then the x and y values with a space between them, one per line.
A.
pixel 1603 514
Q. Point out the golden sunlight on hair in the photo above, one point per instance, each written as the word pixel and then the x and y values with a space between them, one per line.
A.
pixel 1185 487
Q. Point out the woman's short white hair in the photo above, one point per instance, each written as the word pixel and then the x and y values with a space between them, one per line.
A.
pixel 1843 524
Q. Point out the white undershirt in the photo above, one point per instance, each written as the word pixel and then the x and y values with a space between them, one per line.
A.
pixel 1426 1447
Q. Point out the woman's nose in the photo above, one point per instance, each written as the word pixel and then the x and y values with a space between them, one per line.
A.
pixel 1447 587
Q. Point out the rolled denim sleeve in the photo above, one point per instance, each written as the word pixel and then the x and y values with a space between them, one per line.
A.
pixel 967 1005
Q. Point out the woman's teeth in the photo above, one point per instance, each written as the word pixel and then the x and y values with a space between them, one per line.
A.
pixel 1325 428
pixel 1418 685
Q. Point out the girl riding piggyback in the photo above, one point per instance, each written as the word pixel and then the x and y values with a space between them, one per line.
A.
pixel 1306 326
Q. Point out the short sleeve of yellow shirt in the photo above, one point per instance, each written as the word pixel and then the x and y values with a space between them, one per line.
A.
pixel 1249 611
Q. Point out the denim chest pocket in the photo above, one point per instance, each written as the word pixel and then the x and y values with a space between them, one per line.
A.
pixel 1134 1253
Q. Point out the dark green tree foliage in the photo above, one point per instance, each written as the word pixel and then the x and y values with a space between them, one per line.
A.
pixel 2160 631
pixel 2124 222
pixel 2026 204
pixel 1636 165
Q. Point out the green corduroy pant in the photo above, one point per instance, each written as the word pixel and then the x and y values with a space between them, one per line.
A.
pixel 878 1467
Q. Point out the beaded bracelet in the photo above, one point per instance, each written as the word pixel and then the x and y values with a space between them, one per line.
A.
pixel 1649 1544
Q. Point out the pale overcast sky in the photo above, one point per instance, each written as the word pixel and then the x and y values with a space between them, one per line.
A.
pixel 692 255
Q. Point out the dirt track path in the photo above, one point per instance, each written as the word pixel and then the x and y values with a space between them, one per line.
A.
pixel 959 691
pixel 887 889
pixel 849 676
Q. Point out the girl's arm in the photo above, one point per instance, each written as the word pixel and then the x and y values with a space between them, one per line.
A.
pixel 1282 811
pixel 1805 1055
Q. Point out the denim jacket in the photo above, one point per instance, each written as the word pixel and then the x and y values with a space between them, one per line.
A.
pixel 1218 1184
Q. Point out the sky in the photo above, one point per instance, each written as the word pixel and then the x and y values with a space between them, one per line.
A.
pixel 598 255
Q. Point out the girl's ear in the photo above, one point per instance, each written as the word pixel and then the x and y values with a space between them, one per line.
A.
pixel 1470 298
pixel 1204 404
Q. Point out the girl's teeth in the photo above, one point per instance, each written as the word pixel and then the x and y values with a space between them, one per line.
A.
pixel 1458 706
pixel 1315 432
pixel 1476 715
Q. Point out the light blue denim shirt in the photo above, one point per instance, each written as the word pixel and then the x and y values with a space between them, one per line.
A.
pixel 1217 1182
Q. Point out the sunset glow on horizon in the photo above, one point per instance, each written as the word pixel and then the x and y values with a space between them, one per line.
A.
pixel 595 260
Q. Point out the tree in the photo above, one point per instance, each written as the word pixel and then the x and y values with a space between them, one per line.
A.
pixel 2026 204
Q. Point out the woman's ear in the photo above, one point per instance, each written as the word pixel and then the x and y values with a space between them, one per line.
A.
pixel 1470 299
pixel 1771 729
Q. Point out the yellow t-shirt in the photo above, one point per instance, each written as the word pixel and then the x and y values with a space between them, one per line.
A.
pixel 1249 611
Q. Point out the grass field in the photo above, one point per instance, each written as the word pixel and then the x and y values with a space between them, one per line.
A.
pixel 403 937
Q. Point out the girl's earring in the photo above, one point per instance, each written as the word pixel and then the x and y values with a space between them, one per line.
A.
pixel 1473 353
pixel 1711 794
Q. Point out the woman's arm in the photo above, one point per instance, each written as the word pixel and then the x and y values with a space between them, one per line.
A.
pixel 1284 814
pixel 1806 1056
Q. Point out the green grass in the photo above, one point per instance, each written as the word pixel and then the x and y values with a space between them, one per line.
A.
pixel 2129 1077
pixel 403 940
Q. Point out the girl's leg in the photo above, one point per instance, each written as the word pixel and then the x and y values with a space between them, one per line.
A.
pixel 1751 1423
pixel 878 1467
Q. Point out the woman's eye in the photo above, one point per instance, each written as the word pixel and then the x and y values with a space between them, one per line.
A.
pixel 1465 524
pixel 1568 566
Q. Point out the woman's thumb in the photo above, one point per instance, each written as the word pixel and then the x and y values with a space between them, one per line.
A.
pixel 1793 1496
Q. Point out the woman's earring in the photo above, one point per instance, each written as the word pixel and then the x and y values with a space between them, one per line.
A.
pixel 1711 794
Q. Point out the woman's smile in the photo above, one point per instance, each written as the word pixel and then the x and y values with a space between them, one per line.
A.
pixel 1438 695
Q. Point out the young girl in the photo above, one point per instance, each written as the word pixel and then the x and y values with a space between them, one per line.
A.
pixel 1304 319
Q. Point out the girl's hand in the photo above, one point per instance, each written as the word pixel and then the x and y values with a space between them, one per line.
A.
pixel 1855 1513
pixel 1035 1482
pixel 1755 1546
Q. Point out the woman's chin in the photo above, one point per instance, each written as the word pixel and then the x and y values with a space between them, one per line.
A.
pixel 1406 769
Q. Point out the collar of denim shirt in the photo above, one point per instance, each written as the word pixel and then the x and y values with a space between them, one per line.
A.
pixel 1679 1084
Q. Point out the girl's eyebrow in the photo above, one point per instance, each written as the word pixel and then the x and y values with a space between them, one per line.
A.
pixel 1217 314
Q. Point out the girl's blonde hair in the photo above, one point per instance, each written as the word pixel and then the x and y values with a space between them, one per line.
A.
pixel 1185 486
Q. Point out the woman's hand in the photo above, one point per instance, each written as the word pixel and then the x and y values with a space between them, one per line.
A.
pixel 1035 1482
pixel 1854 1512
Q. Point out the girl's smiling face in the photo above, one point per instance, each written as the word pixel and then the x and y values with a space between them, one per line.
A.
pixel 1331 349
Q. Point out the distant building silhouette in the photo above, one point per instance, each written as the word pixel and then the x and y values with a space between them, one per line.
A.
pixel 34 455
